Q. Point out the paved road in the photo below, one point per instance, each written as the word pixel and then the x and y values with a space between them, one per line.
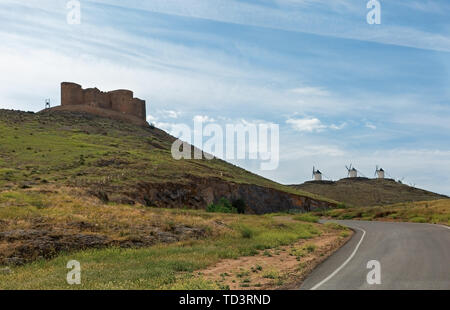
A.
pixel 411 256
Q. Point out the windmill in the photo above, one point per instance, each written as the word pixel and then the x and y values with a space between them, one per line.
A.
pixel 316 174
pixel 351 171
pixel 379 172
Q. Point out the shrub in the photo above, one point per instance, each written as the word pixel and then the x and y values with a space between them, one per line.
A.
pixel 335 226
pixel 246 232
pixel 223 206
pixel 271 274
pixel 341 206
pixel 418 219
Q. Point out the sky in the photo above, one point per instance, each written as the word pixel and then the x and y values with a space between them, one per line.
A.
pixel 341 90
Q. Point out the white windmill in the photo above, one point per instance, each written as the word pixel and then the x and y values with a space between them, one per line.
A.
pixel 316 175
pixel 351 171
pixel 379 172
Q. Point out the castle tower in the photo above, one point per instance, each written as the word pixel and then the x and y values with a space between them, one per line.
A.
pixel 71 94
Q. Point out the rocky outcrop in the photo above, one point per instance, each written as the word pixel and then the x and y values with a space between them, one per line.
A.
pixel 46 241
pixel 198 193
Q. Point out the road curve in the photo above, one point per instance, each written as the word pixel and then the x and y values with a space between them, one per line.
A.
pixel 411 256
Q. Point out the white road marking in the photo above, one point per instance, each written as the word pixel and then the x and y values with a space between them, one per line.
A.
pixel 343 265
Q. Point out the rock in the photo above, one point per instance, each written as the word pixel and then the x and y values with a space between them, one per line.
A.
pixel 166 237
pixel 198 193
pixel 16 261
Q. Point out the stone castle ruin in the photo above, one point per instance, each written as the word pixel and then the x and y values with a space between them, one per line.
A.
pixel 117 104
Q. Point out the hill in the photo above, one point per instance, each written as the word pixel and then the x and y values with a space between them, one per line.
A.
pixel 434 212
pixel 122 163
pixel 362 192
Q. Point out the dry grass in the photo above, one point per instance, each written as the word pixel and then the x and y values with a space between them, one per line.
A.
pixel 436 212
pixel 126 261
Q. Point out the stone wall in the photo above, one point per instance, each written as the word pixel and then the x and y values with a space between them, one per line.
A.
pixel 121 100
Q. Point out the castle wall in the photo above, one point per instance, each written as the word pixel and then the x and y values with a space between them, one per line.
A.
pixel 121 100
pixel 139 108
pixel 97 98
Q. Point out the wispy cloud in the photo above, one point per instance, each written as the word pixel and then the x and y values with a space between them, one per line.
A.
pixel 310 66
pixel 371 126
pixel 319 21
pixel 312 125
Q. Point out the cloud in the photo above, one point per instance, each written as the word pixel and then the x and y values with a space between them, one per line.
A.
pixel 171 113
pixel 296 153
pixel 310 91
pixel 371 126
pixel 338 127
pixel 320 19
pixel 306 124
pixel 203 119
pixel 151 118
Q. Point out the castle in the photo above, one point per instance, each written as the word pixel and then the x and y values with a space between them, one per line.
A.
pixel 117 104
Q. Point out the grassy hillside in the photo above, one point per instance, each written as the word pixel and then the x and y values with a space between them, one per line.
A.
pixel 361 192
pixel 435 212
pixel 65 184
pixel 100 154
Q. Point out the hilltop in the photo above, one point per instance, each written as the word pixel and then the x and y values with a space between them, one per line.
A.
pixel 119 162
pixel 362 192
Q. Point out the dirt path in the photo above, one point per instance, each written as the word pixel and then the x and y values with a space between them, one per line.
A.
pixel 284 267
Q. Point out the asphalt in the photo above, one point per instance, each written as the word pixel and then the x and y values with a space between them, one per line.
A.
pixel 411 256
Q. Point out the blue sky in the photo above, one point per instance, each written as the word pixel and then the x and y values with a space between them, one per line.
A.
pixel 342 91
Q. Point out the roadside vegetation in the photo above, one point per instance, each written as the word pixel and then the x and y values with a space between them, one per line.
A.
pixel 130 247
pixel 435 212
